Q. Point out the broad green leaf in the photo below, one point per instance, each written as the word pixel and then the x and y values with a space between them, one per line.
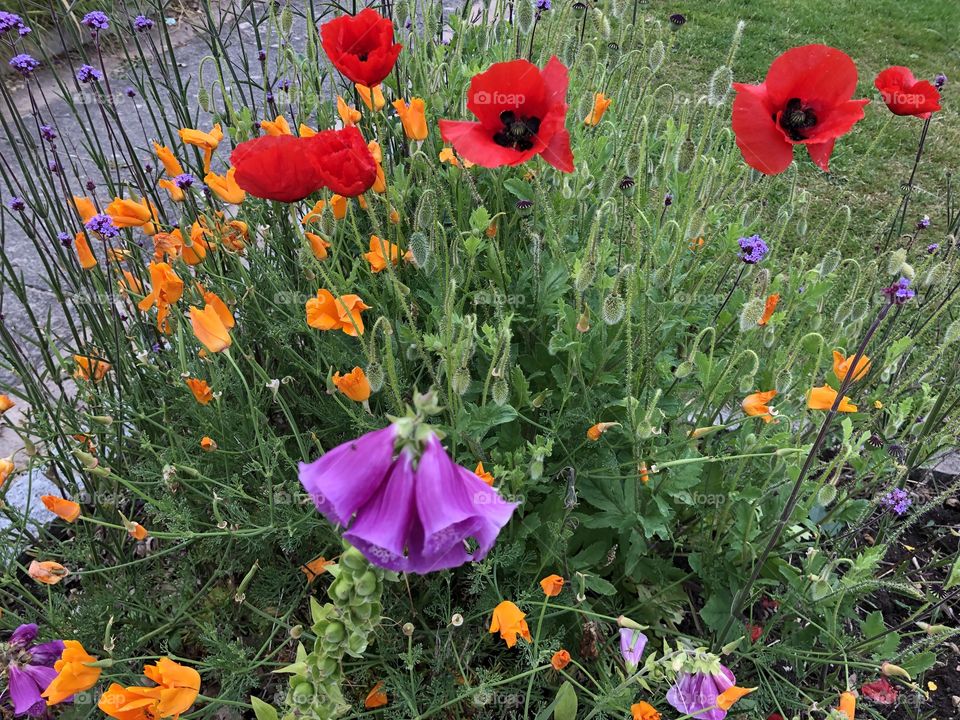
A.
pixel 566 703
pixel 263 711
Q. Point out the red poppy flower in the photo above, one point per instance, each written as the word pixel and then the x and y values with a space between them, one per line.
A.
pixel 289 168
pixel 361 46
pixel 804 100
pixel 774 716
pixel 344 162
pixel 522 112
pixel 880 691
pixel 905 95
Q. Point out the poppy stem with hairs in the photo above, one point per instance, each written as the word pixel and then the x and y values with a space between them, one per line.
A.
pixel 905 204
pixel 729 294
pixel 744 592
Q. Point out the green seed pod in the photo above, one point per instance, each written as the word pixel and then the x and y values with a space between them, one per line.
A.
pixel 585 277
pixel 334 632
pixel 203 98
pixel 683 370
pixel 426 214
pixel 367 583
pixel 353 559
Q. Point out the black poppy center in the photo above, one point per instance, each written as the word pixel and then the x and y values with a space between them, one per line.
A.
pixel 362 56
pixel 796 118
pixel 518 131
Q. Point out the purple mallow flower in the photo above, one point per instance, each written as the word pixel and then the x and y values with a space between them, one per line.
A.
pixel 96 21
pixel 403 501
pixel 696 693
pixel 752 249
pixel 29 670
pixel 141 23
pixel 899 292
pixel 102 225
pixel 16 203
pixel 632 645
pixel 897 500
pixel 86 73
pixel 184 180
pixel 24 64
pixel 11 21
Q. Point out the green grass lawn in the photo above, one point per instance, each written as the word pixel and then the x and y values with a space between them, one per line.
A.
pixel 871 162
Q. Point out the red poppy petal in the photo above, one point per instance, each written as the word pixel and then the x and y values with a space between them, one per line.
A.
pixel 838 121
pixel 343 161
pixel 556 78
pixel 516 85
pixel 558 152
pixel 275 168
pixel 896 76
pixel 820 154
pixel 475 143
pixel 760 140
pixel 817 74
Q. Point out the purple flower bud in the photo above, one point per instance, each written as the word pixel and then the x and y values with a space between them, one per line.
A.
pixel 147 168
pixel 87 73
pixel 65 239
pixel 16 204
pixel 923 223
pixel 184 181
pixel 96 21
pixel 54 167
pixel 141 23
pixel 543 5
pixel 939 81
pixel 103 226
pixel 91 186
pixel 899 292
pixel 262 55
pixel 632 645
pixel 24 64
pixel 752 249
pixel 48 133
pixel 130 92
pixel 668 200
pixel 933 247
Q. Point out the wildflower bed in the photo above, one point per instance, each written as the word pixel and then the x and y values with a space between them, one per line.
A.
pixel 452 363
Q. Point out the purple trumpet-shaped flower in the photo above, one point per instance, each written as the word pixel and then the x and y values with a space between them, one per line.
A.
pixel 27 669
pixel 696 694
pixel 632 645
pixel 409 510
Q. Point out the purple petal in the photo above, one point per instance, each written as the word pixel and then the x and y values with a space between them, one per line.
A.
pixel 382 528
pixel 24 635
pixel 632 645
pixel 346 477
pixel 46 653
pixel 694 694
pixel 23 689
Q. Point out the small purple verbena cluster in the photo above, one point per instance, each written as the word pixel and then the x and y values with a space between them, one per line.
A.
pixel 933 247
pixel 899 292
pixel 65 238
pixel 923 223
pixel 668 200
pixel 48 133
pixel 752 249
pixel 141 23
pixel 939 81
pixel 24 64
pixel 16 203
pixel 103 226
pixel 897 500
pixel 543 5
pixel 11 21
pixel 184 181
pixel 86 73
pixel 96 20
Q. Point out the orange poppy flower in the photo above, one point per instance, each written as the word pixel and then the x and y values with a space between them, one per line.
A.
pixel 206 141
pixel 755 405
pixel 306 130
pixel 728 697
pixel 644 711
pixel 195 251
pixel 166 287
pixel 85 208
pixel 769 308
pixel 209 328
pixel 47 572
pixel 89 368
pixel 6 467
pixel 348 114
pixel 822 398
pixel 223 312
pixel 394 217
pixel 509 621
pixel 372 97
pixel 85 255
pixel 277 126
pixel 133 213
pixel 841 366
pixel 595 431
pixel 64 509
pixel 324 312
pixel 644 473
pixel 74 674
pixel 560 659
pixel 413 117
pixel 696 243
pixel 6 403
pixel 316 567
pixel 376 697
pixel 483 474
pixel 380 250
pixel 318 245
pixel 202 392
pixel 176 690
pixel 208 444
pixel 118 703
pixel 173 190
pixel 600 104
pixel 136 530
pixel 552 585
pixel 848 705
pixel 354 384
pixel 225 187
pixel 165 155
pixel 380 184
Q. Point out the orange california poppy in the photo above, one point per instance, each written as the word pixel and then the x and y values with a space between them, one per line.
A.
pixel 6 403
pixel 380 184
pixel 483 474
pixel 376 697
pixel 756 405
pixel 133 213
pixel 85 208
pixel 552 585
pixel 354 384
pixel 822 398
pixel 509 621
pixel 64 509
pixel 89 368
pixel 325 312
pixel 316 567
pixel 177 687
pixel 644 711
pixel 595 431
pixel 348 114
pixel 47 572
pixel 841 366
pixel 560 659
pixel 208 444
pixel 209 328
pixel 118 703
pixel 728 697
pixel 769 307
pixel 225 187
pixel 372 97
pixel 848 705
pixel 166 287
pixel 170 163
pixel 136 530
pixel 173 190
pixel 85 255
pixel 74 675
pixel 7 466
pixel 202 392
pixel 318 246
pixel 277 126
pixel 206 141
pixel 413 117
pixel 600 104
pixel 380 250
